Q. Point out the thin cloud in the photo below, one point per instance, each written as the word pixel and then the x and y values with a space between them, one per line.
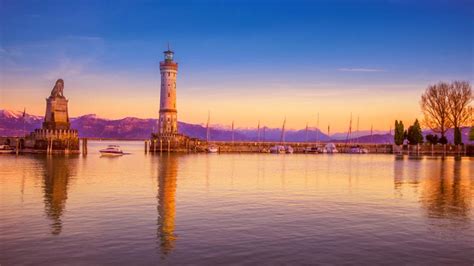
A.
pixel 361 70
pixel 84 38
pixel 67 67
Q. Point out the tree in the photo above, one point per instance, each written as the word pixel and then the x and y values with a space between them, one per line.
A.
pixel 443 140
pixel 457 136
pixel 399 133
pixel 395 132
pixel 435 107
pixel 409 135
pixel 414 134
pixel 459 98
pixel 471 134
pixel 432 139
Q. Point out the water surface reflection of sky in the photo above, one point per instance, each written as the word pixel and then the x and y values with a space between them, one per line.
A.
pixel 241 208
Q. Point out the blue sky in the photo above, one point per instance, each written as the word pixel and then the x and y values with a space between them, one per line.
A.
pixel 332 57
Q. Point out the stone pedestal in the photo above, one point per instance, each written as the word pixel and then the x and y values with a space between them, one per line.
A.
pixel 56 116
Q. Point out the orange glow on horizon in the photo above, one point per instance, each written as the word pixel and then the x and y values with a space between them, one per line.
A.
pixel 244 106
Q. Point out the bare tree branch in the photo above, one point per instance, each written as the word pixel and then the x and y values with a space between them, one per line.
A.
pixel 460 96
pixel 435 104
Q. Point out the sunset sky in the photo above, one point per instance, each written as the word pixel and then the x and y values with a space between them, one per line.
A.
pixel 241 60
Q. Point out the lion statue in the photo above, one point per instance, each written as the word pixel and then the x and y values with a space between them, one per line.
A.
pixel 58 89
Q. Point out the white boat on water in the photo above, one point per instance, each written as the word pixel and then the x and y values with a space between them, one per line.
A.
pixel 358 150
pixel 281 149
pixel 312 150
pixel 330 148
pixel 278 149
pixel 212 149
pixel 5 149
pixel 111 150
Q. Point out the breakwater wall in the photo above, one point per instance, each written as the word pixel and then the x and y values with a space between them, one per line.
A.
pixel 302 147
pixel 298 147
pixel 195 145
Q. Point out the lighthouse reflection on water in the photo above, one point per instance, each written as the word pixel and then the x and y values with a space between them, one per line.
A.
pixel 167 176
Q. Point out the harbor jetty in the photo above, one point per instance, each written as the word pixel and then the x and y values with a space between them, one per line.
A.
pixel 196 145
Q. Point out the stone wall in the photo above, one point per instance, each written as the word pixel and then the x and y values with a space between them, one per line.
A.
pixel 171 143
pixel 56 116
pixel 52 141
pixel 195 145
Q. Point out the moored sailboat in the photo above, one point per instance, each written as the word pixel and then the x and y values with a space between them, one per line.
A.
pixel 211 148
pixel 282 148
pixel 5 149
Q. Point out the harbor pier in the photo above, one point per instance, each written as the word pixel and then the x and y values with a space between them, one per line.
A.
pixel 298 147
pixel 188 145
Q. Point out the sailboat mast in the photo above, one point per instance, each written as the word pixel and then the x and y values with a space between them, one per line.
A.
pixel 232 132
pixel 282 138
pixel 349 132
pixel 264 133
pixel 317 131
pixel 372 133
pixel 357 132
pixel 258 131
pixel 390 135
pixel 306 131
pixel 23 118
pixel 207 126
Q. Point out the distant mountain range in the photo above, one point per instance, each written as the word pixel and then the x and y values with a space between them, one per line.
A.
pixel 91 126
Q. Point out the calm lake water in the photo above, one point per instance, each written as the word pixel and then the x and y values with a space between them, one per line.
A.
pixel 235 208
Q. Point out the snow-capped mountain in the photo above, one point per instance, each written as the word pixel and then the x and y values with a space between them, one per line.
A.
pixel 12 123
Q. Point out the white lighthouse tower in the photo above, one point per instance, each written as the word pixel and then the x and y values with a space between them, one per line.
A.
pixel 167 137
pixel 168 121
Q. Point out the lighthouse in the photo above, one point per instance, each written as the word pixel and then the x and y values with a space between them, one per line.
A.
pixel 168 119
pixel 167 138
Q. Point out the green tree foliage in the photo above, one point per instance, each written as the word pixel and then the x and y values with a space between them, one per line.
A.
pixel 432 139
pixel 395 132
pixel 414 134
pixel 399 133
